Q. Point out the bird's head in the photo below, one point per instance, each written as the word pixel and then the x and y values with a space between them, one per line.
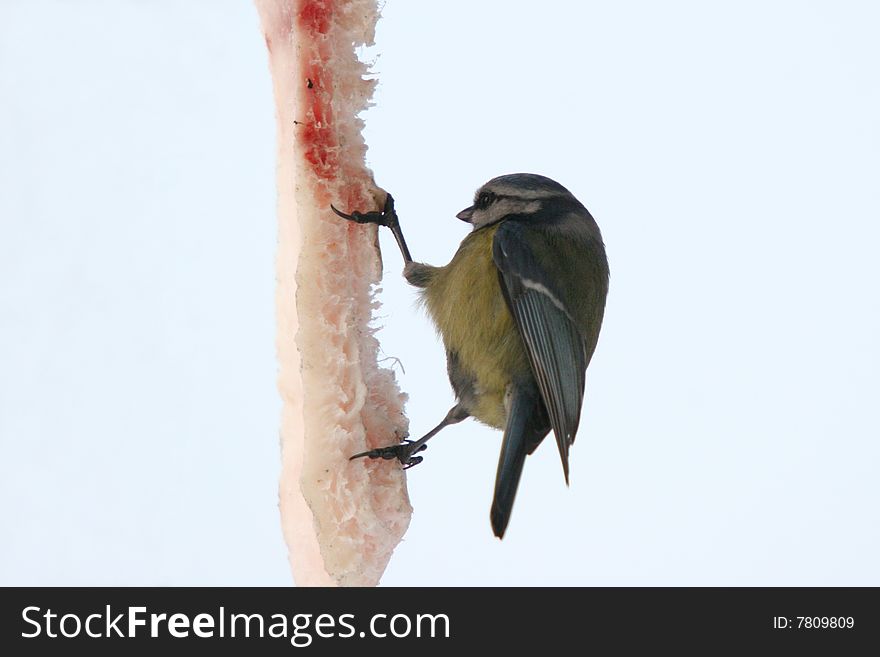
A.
pixel 520 194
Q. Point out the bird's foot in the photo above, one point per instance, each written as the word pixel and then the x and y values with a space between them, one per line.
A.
pixel 387 217
pixel 403 452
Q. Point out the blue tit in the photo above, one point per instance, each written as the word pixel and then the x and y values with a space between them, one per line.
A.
pixel 519 308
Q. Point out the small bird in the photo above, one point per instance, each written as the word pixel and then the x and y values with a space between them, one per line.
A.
pixel 519 308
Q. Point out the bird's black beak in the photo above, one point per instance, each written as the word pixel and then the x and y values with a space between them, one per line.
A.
pixel 466 214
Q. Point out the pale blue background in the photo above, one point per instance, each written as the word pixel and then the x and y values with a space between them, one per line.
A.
pixel 730 152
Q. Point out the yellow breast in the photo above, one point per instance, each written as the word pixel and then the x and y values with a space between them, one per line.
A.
pixel 465 301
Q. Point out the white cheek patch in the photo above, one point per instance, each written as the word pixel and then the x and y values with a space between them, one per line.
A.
pixel 527 208
pixel 501 208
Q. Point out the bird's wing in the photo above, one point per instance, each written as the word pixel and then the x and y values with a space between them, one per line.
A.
pixel 553 342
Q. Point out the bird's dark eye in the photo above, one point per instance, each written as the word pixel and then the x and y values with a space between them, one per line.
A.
pixel 485 200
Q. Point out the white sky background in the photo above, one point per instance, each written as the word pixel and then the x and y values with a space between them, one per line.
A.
pixel 731 155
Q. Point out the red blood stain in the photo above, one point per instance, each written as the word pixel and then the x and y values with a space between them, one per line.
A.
pixel 319 138
pixel 315 16
pixel 318 134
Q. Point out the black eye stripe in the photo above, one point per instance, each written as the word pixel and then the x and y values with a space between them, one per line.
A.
pixel 486 199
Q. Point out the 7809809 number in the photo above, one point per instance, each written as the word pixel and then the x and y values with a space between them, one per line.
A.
pixel 825 622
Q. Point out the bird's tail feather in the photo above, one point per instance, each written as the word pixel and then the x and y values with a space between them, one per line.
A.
pixel 521 435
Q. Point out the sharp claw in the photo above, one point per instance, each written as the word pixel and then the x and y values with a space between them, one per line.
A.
pixel 386 217
pixel 360 217
pixel 344 216
pixel 398 451
pixel 386 453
